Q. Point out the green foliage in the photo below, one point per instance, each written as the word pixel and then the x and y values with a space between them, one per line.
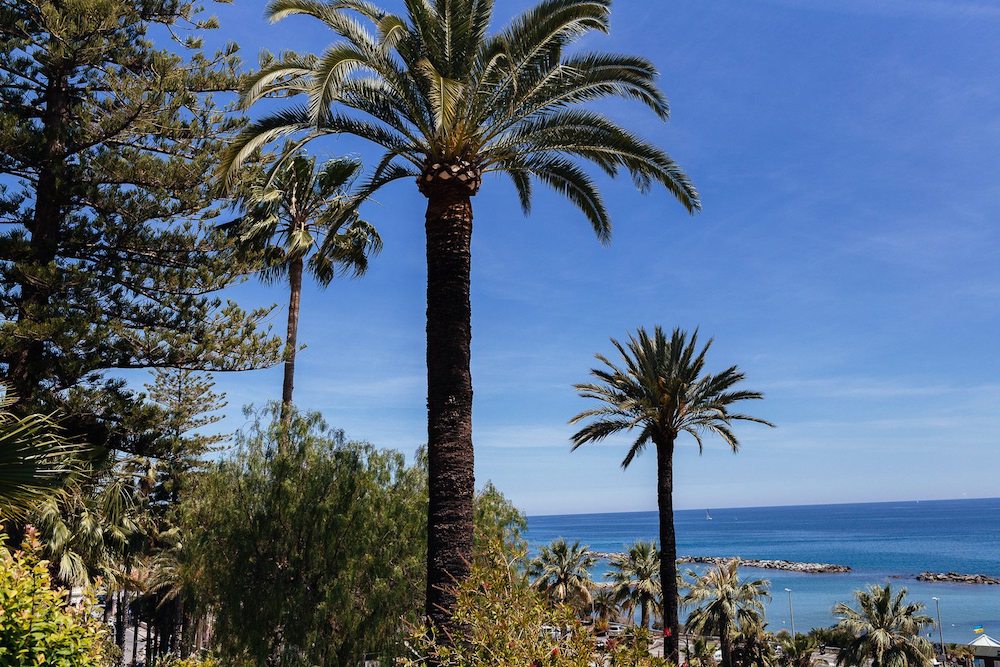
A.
pixel 311 553
pixel 832 636
pixel 36 624
pixel 635 579
pixel 507 622
pixel 797 651
pixel 434 88
pixel 498 522
pixel 724 605
pixel 109 261
pixel 35 459
pixel 561 572
pixel 301 212
pixel 885 629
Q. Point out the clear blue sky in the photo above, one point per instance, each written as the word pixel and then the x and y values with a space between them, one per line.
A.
pixel 848 156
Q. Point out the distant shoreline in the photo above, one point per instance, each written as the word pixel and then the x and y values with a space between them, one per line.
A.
pixel 761 564
pixel 766 507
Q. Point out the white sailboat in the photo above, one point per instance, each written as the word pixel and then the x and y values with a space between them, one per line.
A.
pixel 708 515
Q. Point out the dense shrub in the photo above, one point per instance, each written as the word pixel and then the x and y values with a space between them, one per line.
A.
pixel 37 626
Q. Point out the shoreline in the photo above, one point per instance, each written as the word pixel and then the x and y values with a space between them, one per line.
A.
pixel 761 564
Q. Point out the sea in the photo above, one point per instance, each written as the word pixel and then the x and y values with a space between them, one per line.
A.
pixel 882 543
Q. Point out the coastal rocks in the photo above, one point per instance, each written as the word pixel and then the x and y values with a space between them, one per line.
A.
pixel 789 566
pixel 956 578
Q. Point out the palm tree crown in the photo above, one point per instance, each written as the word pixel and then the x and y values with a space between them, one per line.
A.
pixel 722 604
pixel 661 389
pixel 562 572
pixel 446 100
pixel 305 213
pixel 635 577
pixel 886 629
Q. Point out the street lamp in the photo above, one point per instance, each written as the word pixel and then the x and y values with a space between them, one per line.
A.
pixel 791 611
pixel 937 603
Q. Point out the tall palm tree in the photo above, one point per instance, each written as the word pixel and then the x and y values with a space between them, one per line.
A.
pixel 661 388
pixel 635 576
pixel 449 101
pixel 722 604
pixel 562 572
pixel 302 218
pixel 886 630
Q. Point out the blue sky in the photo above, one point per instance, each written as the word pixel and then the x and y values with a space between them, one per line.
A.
pixel 846 259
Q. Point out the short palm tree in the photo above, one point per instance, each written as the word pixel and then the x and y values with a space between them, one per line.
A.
pixel 660 388
pixel 798 651
pixel 605 604
pixel 753 645
pixel 886 630
pixel 302 218
pixel 448 102
pixel 562 572
pixel 722 604
pixel 635 577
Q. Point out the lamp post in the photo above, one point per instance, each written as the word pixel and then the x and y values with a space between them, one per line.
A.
pixel 791 611
pixel 937 603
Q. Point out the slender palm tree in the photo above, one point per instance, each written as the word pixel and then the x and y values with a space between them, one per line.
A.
pixel 722 604
pixel 661 388
pixel 302 218
pixel 798 651
pixel 449 101
pixel 635 576
pixel 562 572
pixel 886 630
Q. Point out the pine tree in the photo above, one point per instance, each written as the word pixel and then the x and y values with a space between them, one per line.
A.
pixel 109 261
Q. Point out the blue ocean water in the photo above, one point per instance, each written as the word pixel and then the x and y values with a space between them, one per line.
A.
pixel 881 542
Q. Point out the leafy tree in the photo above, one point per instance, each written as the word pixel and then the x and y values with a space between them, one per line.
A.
pixel 561 572
pixel 798 651
pixel 313 552
pixel 108 262
pixel 449 102
pixel 885 629
pixel 35 459
pixel 635 576
pixel 498 522
pixel 723 604
pixel 661 388
pixel 36 624
pixel 300 218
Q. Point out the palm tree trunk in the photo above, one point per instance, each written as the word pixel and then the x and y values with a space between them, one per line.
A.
pixel 450 453
pixel 644 615
pixel 668 548
pixel 291 339
pixel 726 645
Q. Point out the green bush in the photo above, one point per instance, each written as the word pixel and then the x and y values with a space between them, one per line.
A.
pixel 37 626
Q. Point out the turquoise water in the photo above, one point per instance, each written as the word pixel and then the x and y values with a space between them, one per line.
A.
pixel 881 542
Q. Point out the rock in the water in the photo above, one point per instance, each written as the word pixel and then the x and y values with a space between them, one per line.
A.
pixel 956 578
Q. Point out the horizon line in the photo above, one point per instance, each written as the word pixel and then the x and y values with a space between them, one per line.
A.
pixel 754 507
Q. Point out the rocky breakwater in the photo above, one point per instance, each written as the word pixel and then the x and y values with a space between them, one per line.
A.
pixel 956 578
pixel 787 565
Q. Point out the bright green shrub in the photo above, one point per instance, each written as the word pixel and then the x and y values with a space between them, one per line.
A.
pixel 37 627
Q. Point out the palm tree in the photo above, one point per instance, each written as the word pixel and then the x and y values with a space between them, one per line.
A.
pixel 723 604
pixel 661 389
pixel 605 604
pixel 753 645
pixel 562 572
pixel 302 218
pixel 635 576
pixel 449 102
pixel 36 461
pixel 886 630
pixel 798 651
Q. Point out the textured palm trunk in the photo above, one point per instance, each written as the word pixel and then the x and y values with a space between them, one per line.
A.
pixel 668 547
pixel 644 616
pixel 291 339
pixel 449 398
pixel 726 645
